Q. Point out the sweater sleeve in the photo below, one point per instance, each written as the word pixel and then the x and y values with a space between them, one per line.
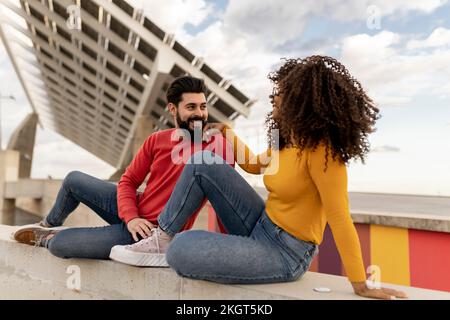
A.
pixel 244 157
pixel 332 188
pixel 132 178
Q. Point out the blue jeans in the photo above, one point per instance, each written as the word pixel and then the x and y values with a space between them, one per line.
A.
pixel 255 250
pixel 93 243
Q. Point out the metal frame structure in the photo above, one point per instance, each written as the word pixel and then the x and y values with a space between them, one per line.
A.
pixel 91 84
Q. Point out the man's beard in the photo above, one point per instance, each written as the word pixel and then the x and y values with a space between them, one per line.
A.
pixel 185 125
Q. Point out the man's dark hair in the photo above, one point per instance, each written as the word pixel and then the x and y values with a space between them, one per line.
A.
pixel 184 84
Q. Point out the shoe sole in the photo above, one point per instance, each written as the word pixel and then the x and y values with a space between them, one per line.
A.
pixel 138 259
pixel 26 235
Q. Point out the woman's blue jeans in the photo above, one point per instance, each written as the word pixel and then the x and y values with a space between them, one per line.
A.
pixel 255 250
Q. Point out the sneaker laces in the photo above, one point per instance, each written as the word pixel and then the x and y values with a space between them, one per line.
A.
pixel 41 238
pixel 148 240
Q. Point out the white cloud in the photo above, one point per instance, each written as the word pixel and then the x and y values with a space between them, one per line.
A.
pixel 393 101
pixel 58 156
pixel 12 111
pixel 270 22
pixel 234 57
pixel 274 22
pixel 173 15
pixel 440 37
pixel 392 74
pixel 241 45
pixel 365 49
pixel 357 9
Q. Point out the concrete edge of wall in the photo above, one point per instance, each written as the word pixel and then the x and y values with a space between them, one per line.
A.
pixel 407 221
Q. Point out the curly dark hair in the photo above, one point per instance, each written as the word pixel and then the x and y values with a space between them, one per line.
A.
pixel 321 102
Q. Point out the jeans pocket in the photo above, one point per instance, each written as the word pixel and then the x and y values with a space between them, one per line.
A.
pixel 301 251
pixel 297 247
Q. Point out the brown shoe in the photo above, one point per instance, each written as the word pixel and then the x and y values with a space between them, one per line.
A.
pixel 34 235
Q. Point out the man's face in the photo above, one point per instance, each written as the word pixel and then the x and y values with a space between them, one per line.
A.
pixel 192 107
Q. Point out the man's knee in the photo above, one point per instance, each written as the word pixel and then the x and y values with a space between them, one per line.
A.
pixel 57 248
pixel 73 177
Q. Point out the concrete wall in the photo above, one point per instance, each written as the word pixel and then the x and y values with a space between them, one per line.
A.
pixel 27 272
pixel 403 263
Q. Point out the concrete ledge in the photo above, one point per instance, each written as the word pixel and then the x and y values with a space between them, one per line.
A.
pixel 33 273
pixel 33 188
pixel 403 220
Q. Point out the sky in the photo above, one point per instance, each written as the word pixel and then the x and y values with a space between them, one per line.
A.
pixel 399 50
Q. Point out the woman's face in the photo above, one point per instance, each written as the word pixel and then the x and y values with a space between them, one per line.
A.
pixel 275 99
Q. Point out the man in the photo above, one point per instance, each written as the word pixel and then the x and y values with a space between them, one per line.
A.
pixel 130 216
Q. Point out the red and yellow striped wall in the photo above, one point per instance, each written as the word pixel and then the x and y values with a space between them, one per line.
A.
pixel 414 258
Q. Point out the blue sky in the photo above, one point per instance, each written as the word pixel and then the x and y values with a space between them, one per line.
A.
pixel 404 65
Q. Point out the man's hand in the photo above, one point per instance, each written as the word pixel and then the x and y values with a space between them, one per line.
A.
pixel 363 290
pixel 139 226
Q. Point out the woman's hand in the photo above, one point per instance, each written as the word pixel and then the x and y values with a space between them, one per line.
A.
pixel 215 125
pixel 212 129
pixel 139 226
pixel 361 289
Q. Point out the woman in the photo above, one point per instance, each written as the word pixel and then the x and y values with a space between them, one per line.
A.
pixel 322 116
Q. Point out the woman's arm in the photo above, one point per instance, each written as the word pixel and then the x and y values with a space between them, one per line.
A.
pixel 332 187
pixel 243 156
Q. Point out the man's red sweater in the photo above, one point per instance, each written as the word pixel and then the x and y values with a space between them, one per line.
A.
pixel 156 156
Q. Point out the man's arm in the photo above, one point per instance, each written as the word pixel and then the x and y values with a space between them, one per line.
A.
pixel 131 180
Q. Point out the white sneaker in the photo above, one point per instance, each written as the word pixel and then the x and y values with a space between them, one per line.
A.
pixel 149 252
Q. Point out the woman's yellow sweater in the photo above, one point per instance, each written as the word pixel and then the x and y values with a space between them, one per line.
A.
pixel 303 197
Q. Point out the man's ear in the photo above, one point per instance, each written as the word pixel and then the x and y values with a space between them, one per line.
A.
pixel 172 109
